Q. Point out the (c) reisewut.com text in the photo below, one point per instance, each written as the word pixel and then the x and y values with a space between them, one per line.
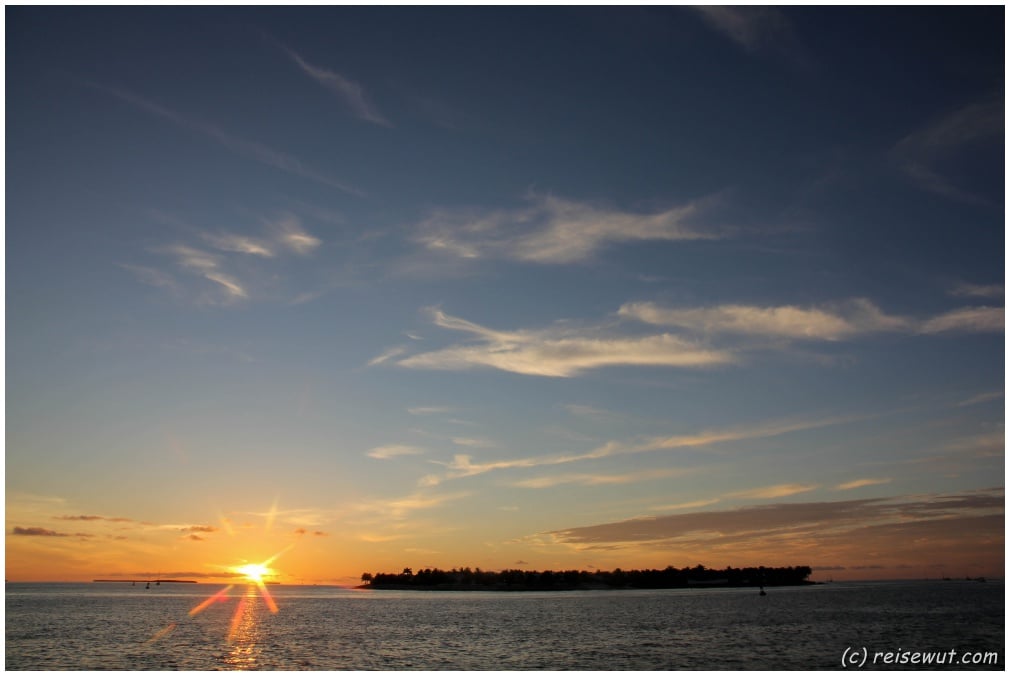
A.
pixel 861 656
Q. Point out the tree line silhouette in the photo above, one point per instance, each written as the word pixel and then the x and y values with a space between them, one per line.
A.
pixel 520 580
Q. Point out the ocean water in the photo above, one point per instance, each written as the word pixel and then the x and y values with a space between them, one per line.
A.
pixel 116 626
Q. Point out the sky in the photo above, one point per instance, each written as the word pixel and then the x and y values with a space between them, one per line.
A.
pixel 357 289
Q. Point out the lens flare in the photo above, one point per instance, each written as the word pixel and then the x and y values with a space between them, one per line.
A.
pixel 254 572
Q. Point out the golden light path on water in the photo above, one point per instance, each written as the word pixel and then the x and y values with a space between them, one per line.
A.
pixel 243 619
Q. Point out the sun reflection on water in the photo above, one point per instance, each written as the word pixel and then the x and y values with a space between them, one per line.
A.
pixel 243 633
pixel 244 627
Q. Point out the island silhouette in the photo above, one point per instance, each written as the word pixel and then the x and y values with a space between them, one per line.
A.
pixel 466 579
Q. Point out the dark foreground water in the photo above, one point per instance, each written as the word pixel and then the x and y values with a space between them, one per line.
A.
pixel 116 626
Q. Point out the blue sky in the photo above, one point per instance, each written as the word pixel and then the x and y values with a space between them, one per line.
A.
pixel 496 286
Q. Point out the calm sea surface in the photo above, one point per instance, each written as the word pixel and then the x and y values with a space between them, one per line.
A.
pixel 116 626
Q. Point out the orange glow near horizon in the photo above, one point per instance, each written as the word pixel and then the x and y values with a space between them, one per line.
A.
pixel 254 572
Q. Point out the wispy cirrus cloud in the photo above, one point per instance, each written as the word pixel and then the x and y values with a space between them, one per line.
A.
pixel 980 398
pixel 566 350
pixel 239 244
pixel 793 519
pixel 473 442
pixel 383 510
pixel 860 483
pixel 393 450
pixel 831 322
pixel 350 92
pixel 776 491
pixel 429 410
pixel 288 232
pixel 558 351
pixel 387 355
pixel 925 154
pixel 693 504
pixel 966 289
pixel 835 322
pixel 152 276
pixel 221 252
pixel 554 230
pixel 599 479
pixel 463 465
pixel 968 319
pixel 245 148
pixel 753 28
pixel 208 266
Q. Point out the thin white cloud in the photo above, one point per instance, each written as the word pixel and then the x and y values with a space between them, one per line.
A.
pixel 776 491
pixel 753 28
pixel 231 285
pixel 922 154
pixel 248 149
pixel 288 231
pixel 860 483
pixel 832 322
pixel 591 412
pixel 386 355
pixel 965 289
pixel 393 450
pixel 151 276
pixel 551 229
pixel 981 398
pixel 463 465
pixel 694 504
pixel 471 442
pixel 401 508
pixel 429 410
pixel 842 320
pixel 598 479
pixel 207 266
pixel 967 319
pixel 350 92
pixel 194 259
pixel 559 352
pixel 238 244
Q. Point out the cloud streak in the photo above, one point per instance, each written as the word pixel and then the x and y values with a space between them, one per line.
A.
pixel 463 465
pixel 922 153
pixel 599 479
pixel 554 230
pixel 245 148
pixel 832 322
pixel 350 92
pixel 753 28
pixel 792 518
pixel 860 483
pixel 966 320
pixel 558 352
pixel 772 492
pixel 207 266
pixel 393 450
pixel 966 289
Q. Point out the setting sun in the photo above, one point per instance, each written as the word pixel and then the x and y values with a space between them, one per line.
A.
pixel 254 572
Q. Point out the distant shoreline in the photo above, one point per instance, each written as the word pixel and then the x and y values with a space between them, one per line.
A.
pixel 698 577
pixel 589 587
